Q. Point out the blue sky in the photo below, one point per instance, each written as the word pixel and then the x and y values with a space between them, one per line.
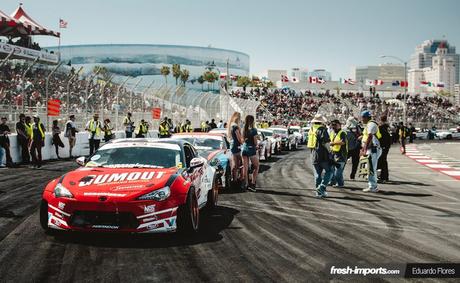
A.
pixel 330 34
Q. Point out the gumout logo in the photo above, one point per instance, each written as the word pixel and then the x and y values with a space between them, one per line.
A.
pixel 118 177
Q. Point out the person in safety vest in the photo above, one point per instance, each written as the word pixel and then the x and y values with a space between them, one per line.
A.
pixel 402 136
pixel 203 126
pixel 143 128
pixel 37 141
pixel 187 127
pixel 371 148
pixel 21 130
pixel 339 148
pixel 163 130
pixel 108 130
pixel 129 126
pixel 95 130
pixel 318 143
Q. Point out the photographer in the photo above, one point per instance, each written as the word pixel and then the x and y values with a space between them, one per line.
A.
pixel 94 128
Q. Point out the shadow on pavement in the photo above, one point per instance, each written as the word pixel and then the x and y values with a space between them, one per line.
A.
pixel 393 193
pixel 353 199
pixel 271 192
pixel 263 168
pixel 212 223
pixel 407 183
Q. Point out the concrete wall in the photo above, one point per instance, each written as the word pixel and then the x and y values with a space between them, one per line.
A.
pixel 48 152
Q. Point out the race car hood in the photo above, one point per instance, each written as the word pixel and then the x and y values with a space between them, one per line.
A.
pixel 86 182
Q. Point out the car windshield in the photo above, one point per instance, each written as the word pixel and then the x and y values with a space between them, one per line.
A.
pixel 280 131
pixel 204 142
pixel 267 133
pixel 136 156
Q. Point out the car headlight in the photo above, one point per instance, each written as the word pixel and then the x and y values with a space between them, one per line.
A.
pixel 62 192
pixel 157 195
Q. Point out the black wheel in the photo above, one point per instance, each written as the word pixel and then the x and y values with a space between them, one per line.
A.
pixel 228 178
pixel 188 214
pixel 449 137
pixel 44 215
pixel 213 195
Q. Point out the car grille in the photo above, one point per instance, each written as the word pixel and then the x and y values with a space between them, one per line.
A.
pixel 103 220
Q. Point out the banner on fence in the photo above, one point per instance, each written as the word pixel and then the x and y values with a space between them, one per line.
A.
pixel 156 113
pixel 54 106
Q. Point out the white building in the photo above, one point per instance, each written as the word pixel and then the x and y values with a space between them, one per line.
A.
pixel 275 75
pixel 301 74
pixel 424 53
pixel 388 73
pixel 320 73
pixel 442 70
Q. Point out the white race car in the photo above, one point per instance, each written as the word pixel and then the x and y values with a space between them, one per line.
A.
pixel 265 146
pixel 450 134
pixel 275 140
pixel 288 139
pixel 299 133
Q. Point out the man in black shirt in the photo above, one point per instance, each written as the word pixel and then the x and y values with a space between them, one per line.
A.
pixel 38 141
pixel 385 143
pixel 213 124
pixel 22 139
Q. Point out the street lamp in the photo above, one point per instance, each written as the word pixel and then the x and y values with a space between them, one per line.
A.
pixel 405 80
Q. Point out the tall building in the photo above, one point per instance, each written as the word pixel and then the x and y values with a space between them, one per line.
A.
pixel 441 74
pixel 300 74
pixel 275 75
pixel 385 72
pixel 320 73
pixel 424 53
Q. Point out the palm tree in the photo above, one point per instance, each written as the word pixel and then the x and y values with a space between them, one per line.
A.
pixel 165 72
pixel 184 74
pixel 176 71
pixel 243 82
pixel 210 77
pixel 102 72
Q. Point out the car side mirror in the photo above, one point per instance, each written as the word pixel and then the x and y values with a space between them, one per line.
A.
pixel 81 160
pixel 197 162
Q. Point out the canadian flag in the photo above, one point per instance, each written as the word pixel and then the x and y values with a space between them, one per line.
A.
pixel 233 77
pixel 223 76
pixel 316 80
pixel 284 79
pixel 294 80
pixel 62 23
pixel 404 84
pixel 370 82
pixel 378 82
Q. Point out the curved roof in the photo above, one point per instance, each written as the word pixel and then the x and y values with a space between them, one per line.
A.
pixel 34 27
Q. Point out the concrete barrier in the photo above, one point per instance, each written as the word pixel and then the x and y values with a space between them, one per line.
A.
pixel 48 152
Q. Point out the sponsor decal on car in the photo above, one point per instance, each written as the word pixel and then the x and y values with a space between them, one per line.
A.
pixel 153 218
pixel 61 205
pixel 149 208
pixel 103 194
pixel 113 227
pixel 118 178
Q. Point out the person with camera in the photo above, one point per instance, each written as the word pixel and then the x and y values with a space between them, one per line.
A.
pixel 339 149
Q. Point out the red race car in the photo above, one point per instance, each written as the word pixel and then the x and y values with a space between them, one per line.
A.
pixel 134 186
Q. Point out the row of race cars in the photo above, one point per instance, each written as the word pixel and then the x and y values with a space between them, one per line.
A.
pixel 150 185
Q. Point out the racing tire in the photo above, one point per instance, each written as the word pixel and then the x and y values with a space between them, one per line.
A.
pixel 44 216
pixel 188 214
pixel 213 195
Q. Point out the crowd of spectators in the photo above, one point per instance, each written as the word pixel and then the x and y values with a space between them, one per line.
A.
pixel 286 105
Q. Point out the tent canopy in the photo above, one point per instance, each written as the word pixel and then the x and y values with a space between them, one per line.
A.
pixel 33 27
pixel 10 26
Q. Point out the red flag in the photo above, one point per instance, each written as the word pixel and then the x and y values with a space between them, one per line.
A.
pixel 404 84
pixel 156 113
pixel 54 106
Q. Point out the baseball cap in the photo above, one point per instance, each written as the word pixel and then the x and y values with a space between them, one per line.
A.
pixel 366 114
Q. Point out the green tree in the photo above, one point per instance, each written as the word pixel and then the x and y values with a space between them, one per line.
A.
pixel 184 75
pixel 176 71
pixel 102 72
pixel 165 71
pixel 243 82
pixel 210 77
pixel 201 81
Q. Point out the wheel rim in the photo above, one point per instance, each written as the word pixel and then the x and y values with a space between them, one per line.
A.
pixel 195 212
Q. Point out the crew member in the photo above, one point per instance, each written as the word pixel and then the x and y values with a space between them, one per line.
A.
pixel 129 125
pixel 71 133
pixel 318 141
pixel 371 148
pixel 402 137
pixel 339 148
pixel 164 129
pixel 143 128
pixel 108 131
pixel 5 141
pixel 187 128
pixel 95 129
pixel 23 139
pixel 37 142
pixel 385 143
pixel 354 145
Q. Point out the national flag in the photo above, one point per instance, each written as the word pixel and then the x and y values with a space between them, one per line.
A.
pixel 284 79
pixel 351 82
pixel 233 77
pixel 396 83
pixel 223 76
pixel 295 80
pixel 440 84
pixel 423 83
pixel 370 82
pixel 347 81
pixel 62 23
pixel 313 80
pixel 404 84
pixel 378 82
pixel 321 81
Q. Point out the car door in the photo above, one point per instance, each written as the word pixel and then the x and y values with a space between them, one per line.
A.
pixel 196 174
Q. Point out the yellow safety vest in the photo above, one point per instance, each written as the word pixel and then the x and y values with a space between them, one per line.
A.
pixel 142 129
pixel 366 134
pixel 164 130
pixel 336 138
pixel 94 128
pixel 29 130
pixel 107 130
pixel 203 126
pixel 402 133
pixel 188 128
pixel 39 128
pixel 311 143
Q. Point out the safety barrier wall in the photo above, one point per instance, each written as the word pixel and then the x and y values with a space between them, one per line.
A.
pixel 48 151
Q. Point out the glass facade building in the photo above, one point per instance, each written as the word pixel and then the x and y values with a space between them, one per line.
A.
pixel 145 60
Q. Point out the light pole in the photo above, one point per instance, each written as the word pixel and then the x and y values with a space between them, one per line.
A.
pixel 405 81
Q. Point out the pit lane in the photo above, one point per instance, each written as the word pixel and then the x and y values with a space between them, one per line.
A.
pixel 281 233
